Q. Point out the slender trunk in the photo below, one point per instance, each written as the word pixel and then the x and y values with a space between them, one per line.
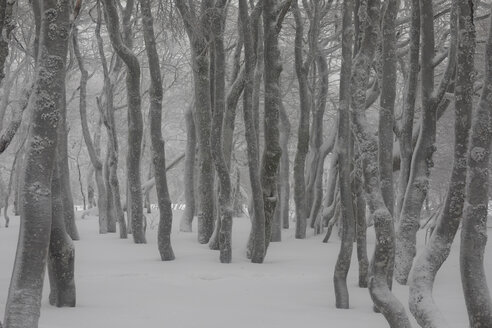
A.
pixel 158 149
pixel 344 163
pixel 438 247
pixel 111 213
pixel 284 168
pixel 405 138
pixel 189 184
pixel 302 71
pixel 24 298
pixel 90 188
pixel 272 22
pixel 474 225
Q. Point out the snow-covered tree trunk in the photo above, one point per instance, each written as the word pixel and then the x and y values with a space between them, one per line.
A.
pixel 385 301
pixel 24 298
pixel 437 249
pixel 284 167
pixel 474 226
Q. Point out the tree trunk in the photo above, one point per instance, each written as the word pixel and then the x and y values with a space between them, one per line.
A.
pixel 406 130
pixel 90 188
pixel 111 214
pixel 134 116
pixel 272 21
pixel 438 247
pixel 284 175
pixel 189 184
pixel 344 163
pixel 419 179
pixel 385 301
pixel 302 71
pixel 158 149
pixel 24 298
pixel 474 225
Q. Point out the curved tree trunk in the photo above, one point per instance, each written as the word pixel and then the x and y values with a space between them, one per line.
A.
pixel 134 115
pixel 385 301
pixel 437 249
pixel 24 298
pixel 474 226
pixel 419 179
pixel 189 170
pixel 158 150
pixel 344 164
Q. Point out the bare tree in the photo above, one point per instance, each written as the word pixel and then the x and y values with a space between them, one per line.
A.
pixel 189 178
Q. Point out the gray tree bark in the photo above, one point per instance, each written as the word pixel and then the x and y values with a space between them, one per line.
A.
pixel 189 178
pixel 158 150
pixel 24 299
pixel 284 167
pixel 198 29
pixel 474 225
pixel 344 163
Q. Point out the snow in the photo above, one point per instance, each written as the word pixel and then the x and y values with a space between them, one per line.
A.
pixel 120 284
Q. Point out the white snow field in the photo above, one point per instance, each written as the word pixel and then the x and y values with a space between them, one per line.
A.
pixel 123 285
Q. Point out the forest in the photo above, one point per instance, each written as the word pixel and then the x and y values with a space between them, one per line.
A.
pixel 245 163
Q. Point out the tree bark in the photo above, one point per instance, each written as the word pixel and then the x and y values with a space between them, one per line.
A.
pixel 158 150
pixel 24 299
pixel 344 163
pixel 302 70
pixel 474 225
pixel 198 29
pixel 284 167
pixel 189 184
pixel 438 247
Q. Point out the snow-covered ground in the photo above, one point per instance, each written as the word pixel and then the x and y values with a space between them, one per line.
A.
pixel 123 285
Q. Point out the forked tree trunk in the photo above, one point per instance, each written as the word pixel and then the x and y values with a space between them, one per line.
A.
pixel 134 117
pixel 437 249
pixel 344 164
pixel 158 150
pixel 419 179
pixel 189 172
pixel 385 301
pixel 24 298
pixel 474 226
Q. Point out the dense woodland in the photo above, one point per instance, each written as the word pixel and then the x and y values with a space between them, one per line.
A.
pixel 329 115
